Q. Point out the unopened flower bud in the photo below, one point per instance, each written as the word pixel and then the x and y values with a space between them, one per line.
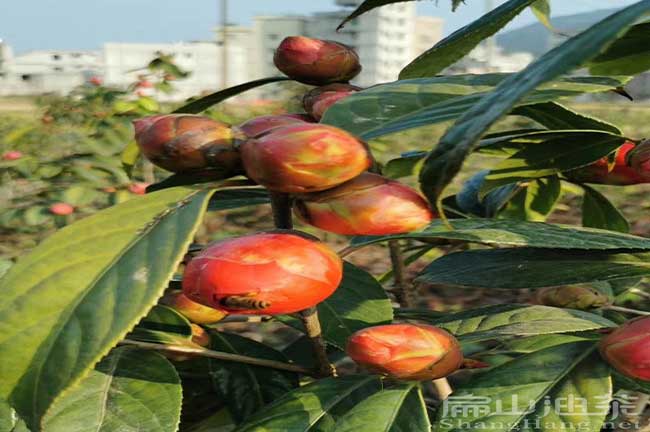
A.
pixel 572 296
pixel 406 351
pixel 61 209
pixel 304 158
pixel 184 143
pixel 627 349
pixel 12 155
pixel 318 100
pixel 315 61
pixel 258 126
pixel 367 205
pixel 193 311
pixel 605 171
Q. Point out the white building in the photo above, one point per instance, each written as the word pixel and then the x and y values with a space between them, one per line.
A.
pixel 490 58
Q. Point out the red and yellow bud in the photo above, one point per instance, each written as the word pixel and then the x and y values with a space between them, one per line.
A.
pixel 258 126
pixel 304 158
pixel 267 273
pixel 138 188
pixel 367 205
pixel 61 209
pixel 627 349
pixel 572 296
pixel 406 351
pixel 620 172
pixel 318 100
pixel 12 155
pixel 315 61
pixel 193 311
pixel 183 143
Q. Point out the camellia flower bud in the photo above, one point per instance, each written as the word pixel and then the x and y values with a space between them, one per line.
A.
pixel 367 205
pixel 315 61
pixel 183 142
pixel 572 296
pixel 318 100
pixel 267 273
pixel 304 158
pixel 639 159
pixel 406 351
pixel 627 349
pixel 61 209
pixel 619 172
pixel 258 126
pixel 12 155
pixel 193 311
pixel 138 188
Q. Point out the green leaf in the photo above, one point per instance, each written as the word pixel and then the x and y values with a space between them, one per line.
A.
pixel 399 408
pixel 510 320
pixel 533 268
pixel 304 408
pixel 542 10
pixel 535 343
pixel 359 302
pixel 519 233
pixel 9 420
pixel 534 202
pixel 163 325
pixel 364 7
pixel 129 389
pixel 67 303
pixel 469 201
pixel 130 156
pixel 227 199
pixel 221 421
pixel 552 157
pixel 629 55
pixel 502 396
pixel 462 41
pixel 599 212
pixel 404 166
pixel 206 102
pixel 245 388
pixel 446 160
pixel 627 383
pixel 393 107
pixel 556 116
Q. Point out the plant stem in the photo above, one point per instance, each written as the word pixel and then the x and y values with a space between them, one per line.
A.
pixel 442 388
pixel 281 205
pixel 640 292
pixel 626 310
pixel 204 352
pixel 403 293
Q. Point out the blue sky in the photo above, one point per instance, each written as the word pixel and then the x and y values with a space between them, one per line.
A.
pixel 86 24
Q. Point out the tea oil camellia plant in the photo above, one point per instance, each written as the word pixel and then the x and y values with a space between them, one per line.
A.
pixel 118 322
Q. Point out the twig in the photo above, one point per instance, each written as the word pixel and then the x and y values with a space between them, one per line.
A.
pixel 204 352
pixel 403 294
pixel 442 388
pixel 640 292
pixel 281 205
pixel 626 310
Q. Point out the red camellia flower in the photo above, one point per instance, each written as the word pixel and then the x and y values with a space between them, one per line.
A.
pixel 625 170
pixel 315 61
pixel 267 273
pixel 318 100
pixel 367 205
pixel 138 188
pixel 12 155
pixel 304 158
pixel 406 351
pixel 258 126
pixel 572 296
pixel 193 311
pixel 61 209
pixel 183 142
pixel 627 349
pixel 96 80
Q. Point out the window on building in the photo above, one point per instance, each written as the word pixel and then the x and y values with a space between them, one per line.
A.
pixel 26 77
pixel 56 57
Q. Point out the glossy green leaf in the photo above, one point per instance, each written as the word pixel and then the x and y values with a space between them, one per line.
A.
pixel 510 320
pixel 556 116
pixel 130 156
pixel 245 388
pixel 599 212
pixel 446 160
pixel 502 396
pixel 629 55
pixel 470 201
pixel 129 390
pixel 455 46
pixel 531 344
pixel 359 302
pixel 393 107
pixel 552 157
pixel 404 166
pixel 162 325
pixel 366 6
pixel 399 408
pixel 533 268
pixel 51 330
pixel 221 421
pixel 227 199
pixel 304 408
pixel 536 201
pixel 519 233
pixel 9 420
pixel 206 102
pixel 542 10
